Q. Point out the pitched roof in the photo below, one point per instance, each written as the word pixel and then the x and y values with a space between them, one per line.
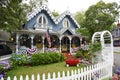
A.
pixel 55 20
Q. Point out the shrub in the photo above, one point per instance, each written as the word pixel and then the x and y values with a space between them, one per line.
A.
pixel 79 54
pixel 46 58
pixel 19 59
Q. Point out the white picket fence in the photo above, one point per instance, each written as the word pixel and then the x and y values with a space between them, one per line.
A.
pixel 97 72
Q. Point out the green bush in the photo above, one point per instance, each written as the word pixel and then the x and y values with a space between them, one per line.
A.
pixel 46 58
pixel 79 54
pixel 19 59
pixel 94 47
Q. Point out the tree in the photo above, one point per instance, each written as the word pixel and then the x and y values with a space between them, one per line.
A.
pixel 55 13
pixel 36 3
pixel 100 16
pixel 13 15
pixel 80 16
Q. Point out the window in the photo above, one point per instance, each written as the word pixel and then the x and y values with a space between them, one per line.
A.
pixel 42 21
pixel 66 23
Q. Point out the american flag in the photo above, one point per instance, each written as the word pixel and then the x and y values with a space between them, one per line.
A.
pixel 48 37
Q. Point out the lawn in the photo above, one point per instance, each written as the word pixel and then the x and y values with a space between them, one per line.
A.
pixel 29 70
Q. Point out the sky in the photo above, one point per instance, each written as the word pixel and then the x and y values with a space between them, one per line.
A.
pixel 73 5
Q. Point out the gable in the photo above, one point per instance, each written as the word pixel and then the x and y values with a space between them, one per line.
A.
pixel 54 19
pixel 67 32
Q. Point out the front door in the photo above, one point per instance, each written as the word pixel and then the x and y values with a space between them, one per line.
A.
pixel 65 44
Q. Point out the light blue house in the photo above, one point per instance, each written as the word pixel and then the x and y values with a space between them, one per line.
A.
pixel 62 29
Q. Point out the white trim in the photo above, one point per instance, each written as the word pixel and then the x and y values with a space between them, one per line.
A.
pixel 43 16
pixel 55 20
pixel 64 23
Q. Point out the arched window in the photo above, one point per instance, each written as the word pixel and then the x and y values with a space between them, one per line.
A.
pixel 42 21
pixel 66 23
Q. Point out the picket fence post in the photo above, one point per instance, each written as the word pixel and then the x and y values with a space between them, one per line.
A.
pixel 54 76
pixel 49 76
pixel 38 77
pixel 21 77
pixel 43 77
pixel 8 78
pixel 58 75
pixel 78 74
pixel 63 75
pixel 68 75
pixel 2 78
pixel 33 78
pixel 27 77
pixel 15 78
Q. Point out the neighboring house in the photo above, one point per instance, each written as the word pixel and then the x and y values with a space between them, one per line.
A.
pixel 62 29
pixel 116 35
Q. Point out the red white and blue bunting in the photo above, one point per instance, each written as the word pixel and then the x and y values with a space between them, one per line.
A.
pixel 32 50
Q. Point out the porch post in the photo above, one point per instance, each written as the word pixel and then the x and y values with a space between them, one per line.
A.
pixel 60 44
pixel 43 37
pixel 17 37
pixel 32 37
pixel 70 44
pixel 80 41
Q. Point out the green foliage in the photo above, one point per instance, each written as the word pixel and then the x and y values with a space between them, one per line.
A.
pixel 55 13
pixel 80 16
pixel 13 15
pixel 94 47
pixel 19 59
pixel 81 53
pixel 2 68
pixel 46 58
pixel 100 16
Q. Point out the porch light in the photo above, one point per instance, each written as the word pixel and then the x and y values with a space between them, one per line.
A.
pixel 11 39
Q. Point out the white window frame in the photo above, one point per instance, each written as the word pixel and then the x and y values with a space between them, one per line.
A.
pixel 66 23
pixel 42 25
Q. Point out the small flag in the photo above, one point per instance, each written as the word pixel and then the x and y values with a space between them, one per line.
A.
pixel 48 37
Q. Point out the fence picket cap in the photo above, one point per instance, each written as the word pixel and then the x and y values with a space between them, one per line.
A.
pixel 33 77
pixel 8 78
pixel 2 78
pixel 87 68
pixel 49 76
pixel 21 77
pixel 84 69
pixel 27 77
pixel 78 71
pixel 38 76
pixel 75 72
pixel 68 73
pixel 58 74
pixel 43 76
pixel 54 75
pixel 63 73
pixel 15 78
pixel 81 70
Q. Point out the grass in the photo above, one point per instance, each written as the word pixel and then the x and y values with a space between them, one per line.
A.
pixel 28 70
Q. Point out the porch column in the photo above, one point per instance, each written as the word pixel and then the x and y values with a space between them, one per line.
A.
pixel 70 44
pixel 32 37
pixel 60 44
pixel 80 41
pixel 43 37
pixel 17 38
